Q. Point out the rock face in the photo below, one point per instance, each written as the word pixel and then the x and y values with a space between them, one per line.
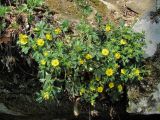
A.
pixel 68 9
pixel 4 109
pixel 145 99
pixel 148 102
pixel 152 33
pixel 140 6
pixel 112 9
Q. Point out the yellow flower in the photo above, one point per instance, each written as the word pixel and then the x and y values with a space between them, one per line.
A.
pixel 46 95
pixel 123 71
pixel 23 39
pixel 111 85
pixel 120 88
pixel 48 36
pixel 117 55
pixel 88 56
pixel 40 42
pixel 55 62
pixel 82 91
pixel 108 28
pixel 123 42
pixel 43 62
pixel 46 53
pixel 57 31
pixel 105 52
pixel 100 89
pixel 81 62
pixel 109 72
pixel 136 72
pixel 23 36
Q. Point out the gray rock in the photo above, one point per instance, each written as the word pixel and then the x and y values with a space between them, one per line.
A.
pixel 152 34
pixel 146 104
pixel 4 109
pixel 149 103
pixel 140 6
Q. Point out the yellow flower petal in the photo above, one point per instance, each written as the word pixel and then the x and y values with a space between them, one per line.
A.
pixel 55 62
pixel 40 42
pixel 117 55
pixel 23 36
pixel 123 71
pixel 48 36
pixel 23 39
pixel 108 28
pixel 46 95
pixel 57 31
pixel 136 72
pixel 105 52
pixel 81 62
pixel 109 72
pixel 100 89
pixel 88 56
pixel 43 62
pixel 111 85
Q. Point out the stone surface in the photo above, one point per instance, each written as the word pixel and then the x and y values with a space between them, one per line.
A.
pixel 111 5
pixel 145 98
pixel 148 102
pixel 4 109
pixel 140 6
pixel 68 9
pixel 152 33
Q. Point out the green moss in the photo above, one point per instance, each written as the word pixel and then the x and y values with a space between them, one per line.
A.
pixel 99 6
pixel 71 9
pixel 64 8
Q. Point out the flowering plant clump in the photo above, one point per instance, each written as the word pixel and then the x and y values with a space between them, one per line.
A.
pixel 95 61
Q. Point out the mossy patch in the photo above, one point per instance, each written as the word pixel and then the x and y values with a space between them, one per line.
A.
pixel 70 8
pixel 99 6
